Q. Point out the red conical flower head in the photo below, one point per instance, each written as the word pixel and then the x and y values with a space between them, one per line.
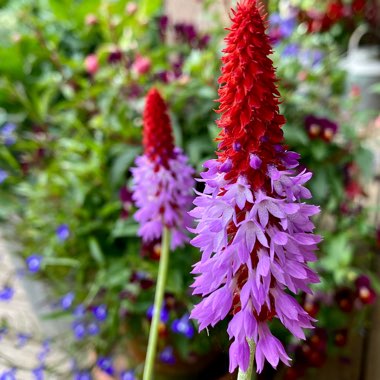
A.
pixel 248 96
pixel 157 137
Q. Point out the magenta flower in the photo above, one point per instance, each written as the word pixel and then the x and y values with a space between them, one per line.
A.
pixel 141 65
pixel 91 64
pixel 162 179
pixel 253 229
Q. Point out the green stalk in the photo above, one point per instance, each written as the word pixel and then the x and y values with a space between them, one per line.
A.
pixel 249 373
pixel 158 300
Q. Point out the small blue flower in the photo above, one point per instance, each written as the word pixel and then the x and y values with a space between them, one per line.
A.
pixel 79 311
pixel 3 332
pixel 62 232
pixel 38 373
pixel 3 175
pixel 128 375
pixel 8 129
pixel 79 330
pixel 183 326
pixel 41 357
pixel 100 312
pixel 311 57
pixel 93 329
pixel 67 300
pixel 8 375
pixel 291 50
pixel 164 313
pixel 22 339
pixel 280 27
pixel 82 375
pixel 105 364
pixel 34 263
pixel 6 294
pixel 45 349
pixel 167 355
pixel 7 133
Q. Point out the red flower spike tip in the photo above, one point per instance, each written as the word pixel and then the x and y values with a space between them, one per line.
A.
pixel 157 136
pixel 248 96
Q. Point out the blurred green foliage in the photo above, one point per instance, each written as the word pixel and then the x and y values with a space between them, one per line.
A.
pixel 78 132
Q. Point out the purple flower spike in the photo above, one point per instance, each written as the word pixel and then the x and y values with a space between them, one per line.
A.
pixel 34 263
pixel 63 232
pixel 167 355
pixel 183 326
pixel 162 178
pixel 252 226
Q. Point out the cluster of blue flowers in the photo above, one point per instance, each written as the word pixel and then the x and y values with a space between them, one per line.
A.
pixel 87 322
pixel 181 326
pixel 39 371
pixel 106 365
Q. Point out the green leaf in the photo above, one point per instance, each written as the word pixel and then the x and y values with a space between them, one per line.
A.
pixel 364 158
pixel 339 255
pixel 125 228
pixel 61 261
pixel 147 8
pixel 122 163
pixel 96 251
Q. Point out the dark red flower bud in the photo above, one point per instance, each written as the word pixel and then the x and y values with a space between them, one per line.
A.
pixel 249 104
pixel 157 137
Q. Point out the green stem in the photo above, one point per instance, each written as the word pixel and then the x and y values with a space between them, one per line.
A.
pixel 158 300
pixel 249 373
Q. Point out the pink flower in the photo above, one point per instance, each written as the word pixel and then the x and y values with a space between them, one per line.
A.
pixel 131 8
pixel 91 64
pixel 141 65
pixel 91 19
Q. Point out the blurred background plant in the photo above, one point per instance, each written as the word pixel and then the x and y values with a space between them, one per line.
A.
pixel 73 76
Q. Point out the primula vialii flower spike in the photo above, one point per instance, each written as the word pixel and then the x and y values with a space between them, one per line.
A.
pixel 162 178
pixel 254 232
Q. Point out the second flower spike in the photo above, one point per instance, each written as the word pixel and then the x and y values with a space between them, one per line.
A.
pixel 163 180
